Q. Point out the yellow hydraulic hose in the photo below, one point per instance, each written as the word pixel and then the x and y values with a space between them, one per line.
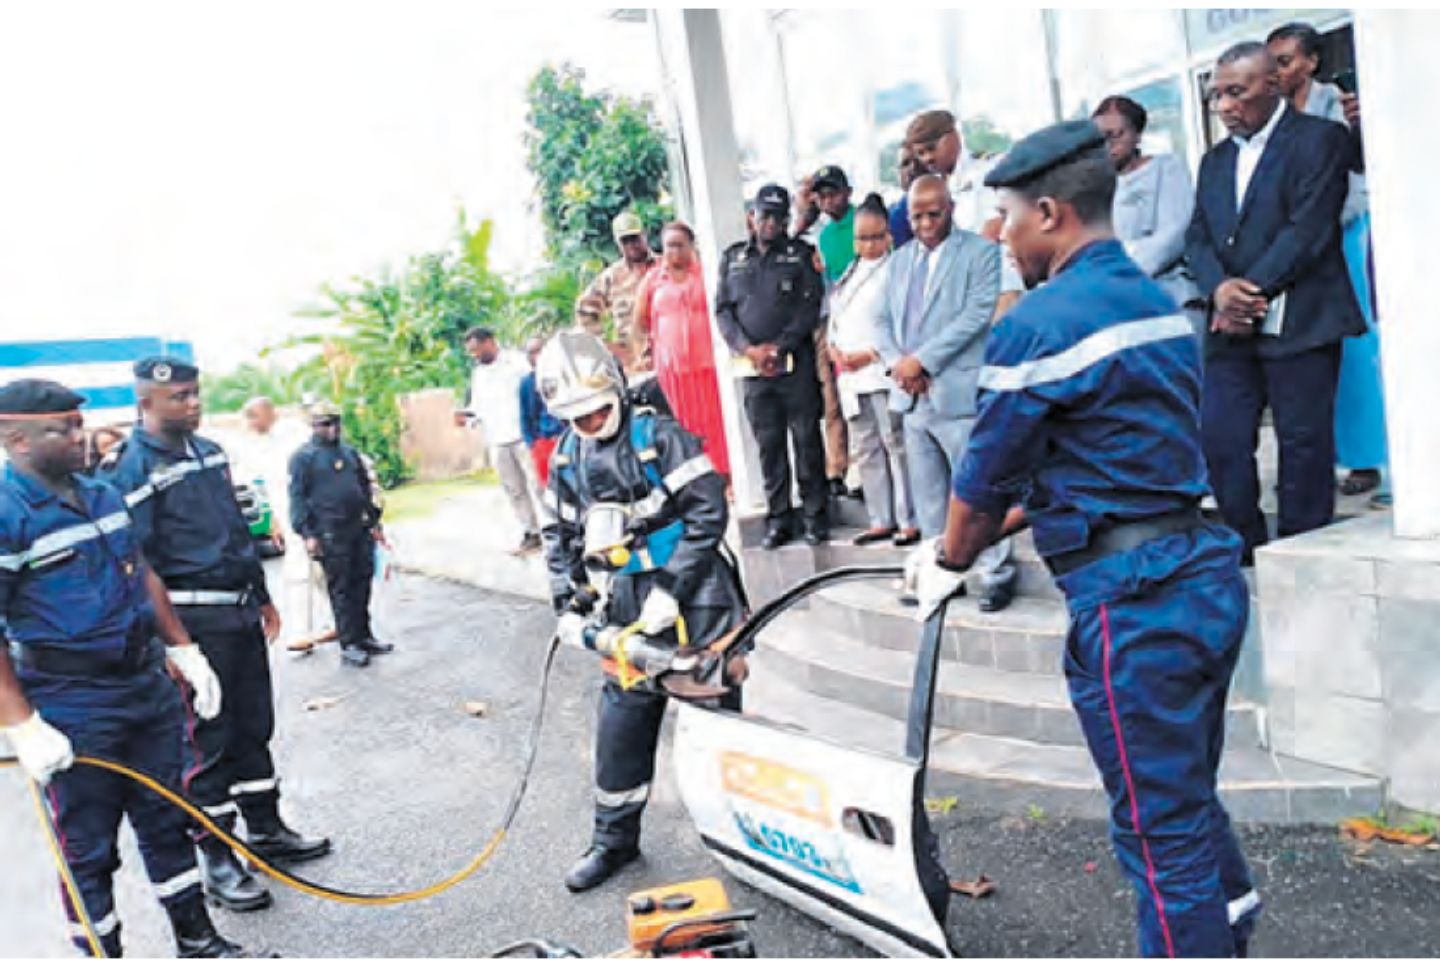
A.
pixel 279 873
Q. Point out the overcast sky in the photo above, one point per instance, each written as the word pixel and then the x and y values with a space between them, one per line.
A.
pixel 175 169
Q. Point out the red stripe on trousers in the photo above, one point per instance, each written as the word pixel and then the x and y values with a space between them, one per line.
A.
pixel 195 752
pixel 1130 786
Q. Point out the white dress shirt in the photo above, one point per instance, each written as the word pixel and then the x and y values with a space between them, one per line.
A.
pixel 495 396
pixel 1248 152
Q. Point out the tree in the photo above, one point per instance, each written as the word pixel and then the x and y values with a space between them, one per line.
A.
pixel 228 392
pixel 592 155
pixel 983 138
pixel 403 331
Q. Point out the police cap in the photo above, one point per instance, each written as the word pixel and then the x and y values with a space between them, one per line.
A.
pixel 1044 150
pixel 772 198
pixel 830 176
pixel 36 398
pixel 166 370
pixel 324 410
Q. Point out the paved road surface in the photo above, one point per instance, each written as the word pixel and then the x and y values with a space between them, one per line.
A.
pixel 410 786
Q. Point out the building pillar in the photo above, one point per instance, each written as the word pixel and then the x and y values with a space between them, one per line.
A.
pixel 1348 642
pixel 699 86
pixel 1398 70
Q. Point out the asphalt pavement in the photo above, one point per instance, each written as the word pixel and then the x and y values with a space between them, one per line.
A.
pixel 388 762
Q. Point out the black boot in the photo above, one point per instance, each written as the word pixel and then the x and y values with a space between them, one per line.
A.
pixel 269 836
pixel 597 865
pixel 375 647
pixel 227 883
pixel 195 935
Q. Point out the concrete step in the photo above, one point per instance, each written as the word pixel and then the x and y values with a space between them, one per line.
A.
pixel 1028 636
pixel 1019 776
pixel 1032 577
pixel 770 572
pixel 974 699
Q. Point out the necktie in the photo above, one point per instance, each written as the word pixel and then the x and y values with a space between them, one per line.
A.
pixel 915 296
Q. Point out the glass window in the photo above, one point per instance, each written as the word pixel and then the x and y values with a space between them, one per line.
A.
pixel 756 97
pixel 906 60
pixel 1004 78
pixel 1096 50
pixel 827 93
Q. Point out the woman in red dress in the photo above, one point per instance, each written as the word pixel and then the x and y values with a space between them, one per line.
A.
pixel 670 308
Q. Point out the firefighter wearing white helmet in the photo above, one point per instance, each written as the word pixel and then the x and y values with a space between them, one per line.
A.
pixel 635 516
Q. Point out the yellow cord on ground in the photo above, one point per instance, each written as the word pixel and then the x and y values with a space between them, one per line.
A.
pixel 300 883
pixel 288 879
pixel 67 879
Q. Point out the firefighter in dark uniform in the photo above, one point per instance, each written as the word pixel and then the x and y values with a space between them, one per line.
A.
pixel 85 673
pixel 190 529
pixel 623 473
pixel 332 508
pixel 1089 429
pixel 767 306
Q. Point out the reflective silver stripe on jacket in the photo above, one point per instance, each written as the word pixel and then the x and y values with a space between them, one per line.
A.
pixel 1085 354
pixel 253 786
pixel 619 798
pixel 671 484
pixel 57 540
pixel 170 475
pixel 207 598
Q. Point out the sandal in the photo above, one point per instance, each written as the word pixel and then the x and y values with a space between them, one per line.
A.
pixel 873 535
pixel 907 538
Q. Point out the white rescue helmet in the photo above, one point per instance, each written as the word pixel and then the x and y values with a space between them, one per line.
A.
pixel 576 375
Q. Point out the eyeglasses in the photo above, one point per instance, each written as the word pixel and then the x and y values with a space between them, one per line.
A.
pixel 326 422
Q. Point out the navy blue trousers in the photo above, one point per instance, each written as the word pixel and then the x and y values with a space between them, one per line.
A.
pixel 1154 637
pixel 1300 392
pixel 135 720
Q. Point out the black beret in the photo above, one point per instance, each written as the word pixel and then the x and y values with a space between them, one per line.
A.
pixel 1044 150
pixel 772 197
pixel 31 396
pixel 166 370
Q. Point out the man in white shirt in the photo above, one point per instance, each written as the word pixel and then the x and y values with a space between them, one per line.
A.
pixel 263 453
pixel 493 401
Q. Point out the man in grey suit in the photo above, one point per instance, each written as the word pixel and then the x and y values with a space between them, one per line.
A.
pixel 939 301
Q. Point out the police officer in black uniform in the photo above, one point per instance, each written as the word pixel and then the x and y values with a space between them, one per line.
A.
pixel 85 673
pixel 767 306
pixel 332 508
pixel 626 476
pixel 190 529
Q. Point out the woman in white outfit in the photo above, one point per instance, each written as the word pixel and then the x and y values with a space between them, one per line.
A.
pixel 877 444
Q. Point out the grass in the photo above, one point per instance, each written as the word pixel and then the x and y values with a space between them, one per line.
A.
pixel 418 499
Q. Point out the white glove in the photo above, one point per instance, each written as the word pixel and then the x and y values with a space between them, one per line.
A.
pixel 928 582
pixel 571 630
pixel 659 612
pixel 193 666
pixel 41 749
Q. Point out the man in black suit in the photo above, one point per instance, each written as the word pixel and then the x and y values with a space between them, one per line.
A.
pixel 1264 244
